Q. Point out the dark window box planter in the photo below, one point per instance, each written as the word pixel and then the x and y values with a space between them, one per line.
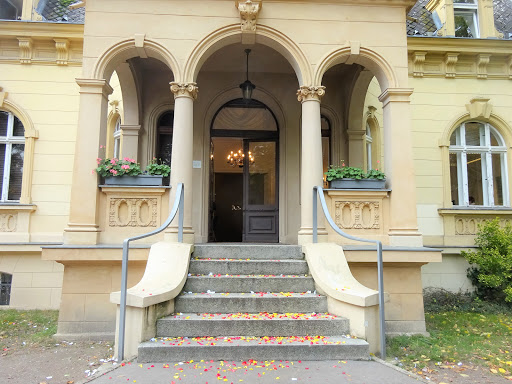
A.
pixel 357 184
pixel 139 180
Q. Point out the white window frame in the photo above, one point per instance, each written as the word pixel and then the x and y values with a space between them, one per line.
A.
pixel 486 151
pixel 117 138
pixel 9 140
pixel 467 8
pixel 369 141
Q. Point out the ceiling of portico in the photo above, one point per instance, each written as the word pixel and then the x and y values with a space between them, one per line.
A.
pixel 233 59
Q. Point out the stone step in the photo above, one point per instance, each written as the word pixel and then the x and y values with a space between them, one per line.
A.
pixel 248 267
pixel 250 303
pixel 248 251
pixel 249 283
pixel 161 350
pixel 253 324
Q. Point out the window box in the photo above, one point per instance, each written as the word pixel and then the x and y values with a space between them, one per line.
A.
pixel 140 180
pixel 357 184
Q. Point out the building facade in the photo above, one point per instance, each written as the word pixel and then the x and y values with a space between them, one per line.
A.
pixel 419 90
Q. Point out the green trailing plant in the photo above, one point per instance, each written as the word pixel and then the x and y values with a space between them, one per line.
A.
pixel 156 167
pixel 345 172
pixel 491 270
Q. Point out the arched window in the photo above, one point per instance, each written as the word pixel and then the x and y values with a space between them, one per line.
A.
pixel 117 138
pixel 5 288
pixel 478 166
pixel 164 137
pixel 369 141
pixel 12 150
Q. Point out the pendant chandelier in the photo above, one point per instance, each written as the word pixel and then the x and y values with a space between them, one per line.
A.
pixel 237 159
pixel 247 87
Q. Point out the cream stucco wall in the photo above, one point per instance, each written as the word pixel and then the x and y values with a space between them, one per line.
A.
pixel 36 283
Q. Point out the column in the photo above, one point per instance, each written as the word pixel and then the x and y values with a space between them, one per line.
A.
pixel 182 155
pixel 399 167
pixel 311 160
pixel 83 226
pixel 130 141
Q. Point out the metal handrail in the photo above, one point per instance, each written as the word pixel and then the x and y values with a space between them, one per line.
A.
pixel 319 191
pixel 178 205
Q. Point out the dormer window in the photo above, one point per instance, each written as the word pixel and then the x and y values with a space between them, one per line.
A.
pixel 466 18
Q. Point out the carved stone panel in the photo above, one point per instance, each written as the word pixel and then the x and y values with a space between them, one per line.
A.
pixel 133 212
pixel 8 222
pixel 469 225
pixel 357 214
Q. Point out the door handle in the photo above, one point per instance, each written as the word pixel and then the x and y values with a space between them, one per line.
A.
pixel 236 207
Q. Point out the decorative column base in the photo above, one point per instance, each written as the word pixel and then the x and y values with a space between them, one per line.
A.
pixel 84 234
pixel 306 236
pixel 405 238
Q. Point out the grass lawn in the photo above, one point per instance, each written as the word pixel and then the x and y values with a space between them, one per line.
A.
pixel 29 327
pixel 458 336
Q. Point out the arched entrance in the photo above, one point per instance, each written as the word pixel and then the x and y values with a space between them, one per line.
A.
pixel 244 174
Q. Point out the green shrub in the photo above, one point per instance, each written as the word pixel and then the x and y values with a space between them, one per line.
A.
pixel 491 273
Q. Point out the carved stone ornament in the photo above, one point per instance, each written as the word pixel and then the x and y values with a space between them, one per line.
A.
pixel 479 107
pixel 62 47
pixel 249 11
pixel 25 44
pixel 418 60
pixel 184 90
pixel 133 212
pixel 465 226
pixel 481 65
pixel 357 214
pixel 450 61
pixel 306 93
pixel 8 222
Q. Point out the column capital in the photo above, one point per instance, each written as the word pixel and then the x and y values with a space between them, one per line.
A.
pixel 189 90
pixel 94 86
pixel 395 94
pixel 130 130
pixel 307 93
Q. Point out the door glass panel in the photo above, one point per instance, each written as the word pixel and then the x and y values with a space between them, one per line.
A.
pixel 262 173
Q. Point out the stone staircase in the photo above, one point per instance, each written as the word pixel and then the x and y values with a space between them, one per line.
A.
pixel 250 302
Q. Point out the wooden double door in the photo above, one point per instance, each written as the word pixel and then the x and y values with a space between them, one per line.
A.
pixel 244 203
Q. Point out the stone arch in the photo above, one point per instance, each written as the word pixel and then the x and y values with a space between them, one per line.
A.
pixel 363 56
pixel 129 48
pixel 495 120
pixel 231 34
pixel 129 93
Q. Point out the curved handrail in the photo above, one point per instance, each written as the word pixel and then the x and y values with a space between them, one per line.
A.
pixel 178 205
pixel 319 191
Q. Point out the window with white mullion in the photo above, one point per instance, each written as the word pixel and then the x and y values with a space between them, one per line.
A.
pixel 504 183
pixel 481 176
pixel 12 149
pixel 7 167
pixel 463 176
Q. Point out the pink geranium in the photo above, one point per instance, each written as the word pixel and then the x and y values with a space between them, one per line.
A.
pixel 126 166
pixel 113 171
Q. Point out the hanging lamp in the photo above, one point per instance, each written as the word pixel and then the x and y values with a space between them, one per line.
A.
pixel 247 87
